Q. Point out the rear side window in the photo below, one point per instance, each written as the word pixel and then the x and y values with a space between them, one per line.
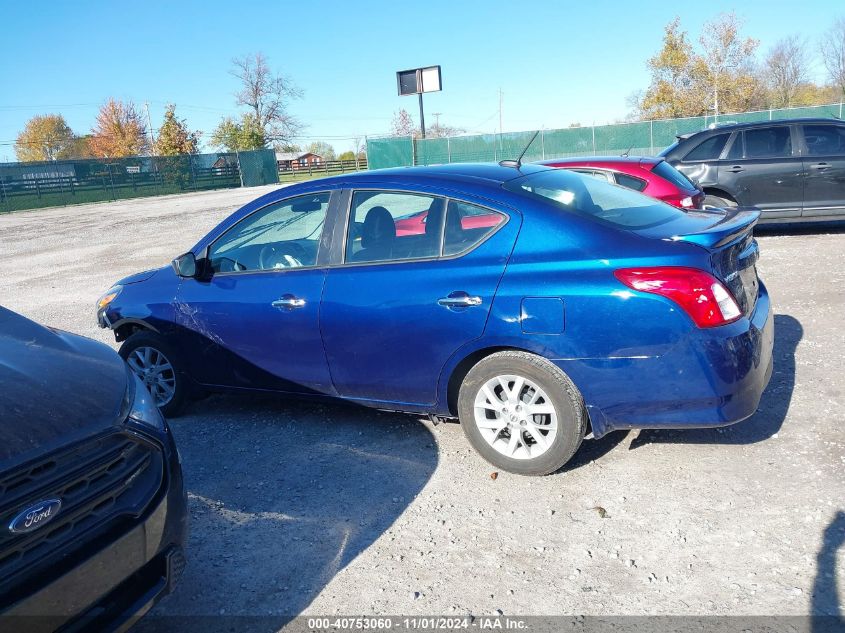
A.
pixel 768 142
pixel 824 140
pixel 709 149
pixel 667 172
pixel 586 196
pixel 467 225
pixel 637 184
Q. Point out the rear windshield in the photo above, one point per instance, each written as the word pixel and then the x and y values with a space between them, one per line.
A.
pixel 589 196
pixel 667 172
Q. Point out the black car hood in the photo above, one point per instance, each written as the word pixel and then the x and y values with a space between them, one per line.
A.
pixel 55 389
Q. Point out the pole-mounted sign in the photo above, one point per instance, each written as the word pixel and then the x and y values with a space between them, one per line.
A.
pixel 417 81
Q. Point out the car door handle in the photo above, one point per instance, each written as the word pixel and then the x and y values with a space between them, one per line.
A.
pixel 288 302
pixel 820 166
pixel 735 169
pixel 459 299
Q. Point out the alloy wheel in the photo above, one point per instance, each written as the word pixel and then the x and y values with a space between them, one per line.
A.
pixel 155 371
pixel 515 416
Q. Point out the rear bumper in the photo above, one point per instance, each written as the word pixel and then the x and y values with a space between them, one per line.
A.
pixel 714 378
pixel 121 581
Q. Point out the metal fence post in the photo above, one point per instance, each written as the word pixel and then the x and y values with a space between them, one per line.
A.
pixel 594 137
pixel 543 143
pixel 448 150
pixel 651 136
pixel 240 171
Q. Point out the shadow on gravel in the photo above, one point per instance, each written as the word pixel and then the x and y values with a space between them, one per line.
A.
pixel 283 495
pixel 773 407
pixel 809 228
pixel 825 608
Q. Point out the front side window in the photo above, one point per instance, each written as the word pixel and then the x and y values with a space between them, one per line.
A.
pixel 824 140
pixel 389 226
pixel 613 205
pixel 282 235
pixel 709 149
pixel 768 142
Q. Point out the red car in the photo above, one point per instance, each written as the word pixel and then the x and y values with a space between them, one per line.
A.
pixel 414 224
pixel 652 176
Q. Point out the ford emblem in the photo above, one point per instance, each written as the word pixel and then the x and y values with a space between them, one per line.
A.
pixel 35 516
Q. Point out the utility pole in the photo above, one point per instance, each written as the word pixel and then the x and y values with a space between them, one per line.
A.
pixel 437 121
pixel 500 111
pixel 150 125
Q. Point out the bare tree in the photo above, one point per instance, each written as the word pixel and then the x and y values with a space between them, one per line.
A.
pixel 785 70
pixel 268 94
pixel 833 53
pixel 402 124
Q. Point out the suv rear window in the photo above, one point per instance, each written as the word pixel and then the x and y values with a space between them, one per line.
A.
pixel 588 196
pixel 667 172
pixel 709 149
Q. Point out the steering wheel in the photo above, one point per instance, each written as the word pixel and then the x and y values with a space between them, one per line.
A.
pixel 275 256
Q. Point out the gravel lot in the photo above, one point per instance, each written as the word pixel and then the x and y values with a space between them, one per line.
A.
pixel 298 508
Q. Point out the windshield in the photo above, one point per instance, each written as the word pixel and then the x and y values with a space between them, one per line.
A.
pixel 607 203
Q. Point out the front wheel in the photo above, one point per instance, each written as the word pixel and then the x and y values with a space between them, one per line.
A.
pixel 521 413
pixel 157 365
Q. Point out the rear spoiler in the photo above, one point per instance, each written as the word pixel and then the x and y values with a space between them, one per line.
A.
pixel 685 136
pixel 737 221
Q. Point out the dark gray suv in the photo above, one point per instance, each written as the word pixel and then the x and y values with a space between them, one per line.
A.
pixel 792 170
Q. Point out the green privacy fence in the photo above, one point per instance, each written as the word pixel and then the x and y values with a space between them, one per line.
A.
pixel 57 183
pixel 640 138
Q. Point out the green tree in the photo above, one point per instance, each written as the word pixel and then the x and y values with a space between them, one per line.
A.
pixel 322 149
pixel 174 137
pixel 45 137
pixel 347 155
pixel 239 136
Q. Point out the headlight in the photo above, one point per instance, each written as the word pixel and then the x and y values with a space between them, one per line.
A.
pixel 143 409
pixel 109 296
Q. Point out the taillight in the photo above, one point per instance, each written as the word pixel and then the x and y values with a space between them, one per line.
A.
pixel 686 203
pixel 700 294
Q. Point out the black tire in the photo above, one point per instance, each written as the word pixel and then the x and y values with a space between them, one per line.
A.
pixel 562 394
pixel 144 338
pixel 716 201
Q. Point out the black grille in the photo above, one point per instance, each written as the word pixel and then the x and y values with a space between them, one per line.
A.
pixel 102 484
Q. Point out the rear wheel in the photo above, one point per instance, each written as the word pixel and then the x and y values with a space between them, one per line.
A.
pixel 718 202
pixel 521 413
pixel 155 363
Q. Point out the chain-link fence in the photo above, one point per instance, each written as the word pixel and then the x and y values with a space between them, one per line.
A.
pixel 644 138
pixel 56 183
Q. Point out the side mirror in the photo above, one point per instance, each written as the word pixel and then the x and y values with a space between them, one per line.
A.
pixel 185 265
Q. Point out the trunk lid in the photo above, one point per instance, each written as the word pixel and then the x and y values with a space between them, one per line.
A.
pixel 728 236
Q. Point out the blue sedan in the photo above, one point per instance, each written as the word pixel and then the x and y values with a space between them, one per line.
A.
pixel 535 305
